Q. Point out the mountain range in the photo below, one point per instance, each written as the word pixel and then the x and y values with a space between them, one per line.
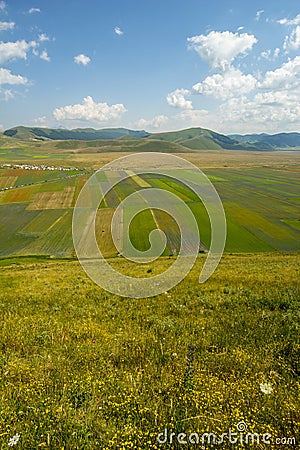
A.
pixel 191 139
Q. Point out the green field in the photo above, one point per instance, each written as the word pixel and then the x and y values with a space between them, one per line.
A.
pixel 84 369
pixel 261 208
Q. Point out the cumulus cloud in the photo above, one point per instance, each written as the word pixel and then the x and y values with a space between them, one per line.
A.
pixel 286 77
pixel 262 102
pixel 89 110
pixel 5 26
pixel 285 21
pixel 118 31
pixel 14 50
pixel 271 109
pixel 34 10
pixel 292 42
pixel 275 104
pixel 44 55
pixel 177 99
pixel 82 59
pixel 226 85
pixel 219 49
pixel 6 77
pixel 156 122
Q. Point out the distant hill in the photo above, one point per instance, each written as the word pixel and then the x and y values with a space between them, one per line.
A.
pixel 271 141
pixel 192 139
pixel 200 139
pixel 81 134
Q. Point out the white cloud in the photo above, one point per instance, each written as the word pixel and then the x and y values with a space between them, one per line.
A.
pixel 194 117
pixel 34 10
pixel 177 99
pixel 286 77
pixel 2 5
pixel 274 107
pixel 276 53
pixel 5 26
pixel 267 54
pixel 270 110
pixel 258 14
pixel 14 50
pixel 226 85
pixel 285 21
pixel 118 31
pixel 7 94
pixel 82 59
pixel 40 121
pixel 43 37
pixel 292 42
pixel 44 55
pixel 156 122
pixel 219 49
pixel 198 118
pixel 88 110
pixel 6 77
pixel 240 28
pixel 257 102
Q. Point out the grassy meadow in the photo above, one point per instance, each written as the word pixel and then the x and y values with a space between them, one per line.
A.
pixel 85 369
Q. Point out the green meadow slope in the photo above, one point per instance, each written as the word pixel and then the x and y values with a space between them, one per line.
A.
pixel 85 369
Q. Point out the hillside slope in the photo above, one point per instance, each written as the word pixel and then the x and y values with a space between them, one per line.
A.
pixel 192 139
pixel 271 141
pixel 200 138
pixel 86 134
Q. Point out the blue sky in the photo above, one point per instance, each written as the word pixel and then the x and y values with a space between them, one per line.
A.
pixel 159 65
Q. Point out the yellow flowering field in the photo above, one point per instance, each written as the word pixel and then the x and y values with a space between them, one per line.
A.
pixel 85 369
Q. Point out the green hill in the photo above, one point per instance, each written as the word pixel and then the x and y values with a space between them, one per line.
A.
pixel 129 140
pixel 201 138
pixel 271 141
pixel 43 134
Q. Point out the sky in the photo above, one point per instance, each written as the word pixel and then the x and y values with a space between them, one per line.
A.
pixel 159 65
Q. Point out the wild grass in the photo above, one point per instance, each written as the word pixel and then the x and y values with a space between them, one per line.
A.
pixel 85 369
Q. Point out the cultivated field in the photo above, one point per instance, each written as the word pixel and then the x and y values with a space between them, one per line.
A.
pixel 261 206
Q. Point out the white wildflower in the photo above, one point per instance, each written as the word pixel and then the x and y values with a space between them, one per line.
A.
pixel 266 388
pixel 14 440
